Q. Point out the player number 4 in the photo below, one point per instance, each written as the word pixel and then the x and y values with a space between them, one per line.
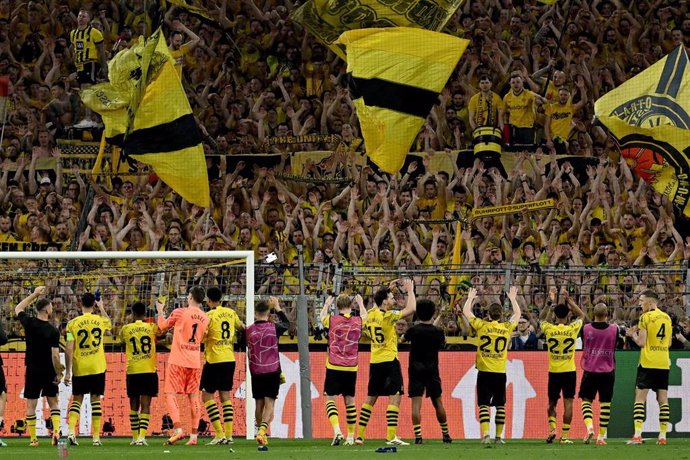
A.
pixel 661 335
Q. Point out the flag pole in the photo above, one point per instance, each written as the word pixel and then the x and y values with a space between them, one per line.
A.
pixel 558 48
pixel 4 119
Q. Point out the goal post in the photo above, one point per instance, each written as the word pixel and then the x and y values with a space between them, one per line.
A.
pixel 125 277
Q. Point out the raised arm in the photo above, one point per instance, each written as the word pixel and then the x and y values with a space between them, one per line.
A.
pixel 411 306
pixel 29 299
pixel 467 308
pixel 512 296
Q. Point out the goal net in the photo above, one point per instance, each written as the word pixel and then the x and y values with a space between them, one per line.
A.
pixel 122 278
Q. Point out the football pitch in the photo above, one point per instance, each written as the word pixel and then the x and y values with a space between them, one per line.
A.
pixel 119 448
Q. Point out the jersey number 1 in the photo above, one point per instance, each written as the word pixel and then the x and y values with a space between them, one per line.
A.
pixel 192 339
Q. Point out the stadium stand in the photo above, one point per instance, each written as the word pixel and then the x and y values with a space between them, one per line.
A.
pixel 269 99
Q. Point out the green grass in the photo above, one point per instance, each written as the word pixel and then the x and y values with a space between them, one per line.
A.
pixel 118 448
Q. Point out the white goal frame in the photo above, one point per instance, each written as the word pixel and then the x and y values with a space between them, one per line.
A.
pixel 249 256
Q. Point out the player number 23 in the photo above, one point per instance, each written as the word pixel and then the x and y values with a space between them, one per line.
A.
pixel 84 335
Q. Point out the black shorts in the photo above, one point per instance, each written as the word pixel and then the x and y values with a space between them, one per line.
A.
pixel 652 379
pixel 597 382
pixel 340 383
pixel 562 382
pixel 89 384
pixel 423 380
pixel 145 384
pixel 266 385
pixel 88 75
pixel 3 382
pixel 39 382
pixel 521 137
pixel 491 388
pixel 217 377
pixel 385 379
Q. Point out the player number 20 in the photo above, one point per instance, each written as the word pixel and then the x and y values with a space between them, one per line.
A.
pixel 500 344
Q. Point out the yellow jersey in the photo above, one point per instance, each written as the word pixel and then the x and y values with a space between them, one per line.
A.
pixel 220 336
pixel 86 331
pixel 561 119
pixel 384 339
pixel 178 56
pixel 492 348
pixel 485 109
pixel 85 44
pixel 139 338
pixel 560 341
pixel 654 354
pixel 521 108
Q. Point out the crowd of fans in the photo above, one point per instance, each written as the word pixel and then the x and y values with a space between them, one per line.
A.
pixel 259 75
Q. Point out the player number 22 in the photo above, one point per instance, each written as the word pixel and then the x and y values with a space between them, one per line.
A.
pixel 568 345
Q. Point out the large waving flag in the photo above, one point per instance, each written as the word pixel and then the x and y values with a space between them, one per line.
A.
pixel 395 76
pixel 145 110
pixel 328 19
pixel 648 116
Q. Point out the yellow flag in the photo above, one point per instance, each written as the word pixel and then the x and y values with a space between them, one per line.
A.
pixel 395 76
pixel 197 8
pixel 328 19
pixel 648 116
pixel 146 111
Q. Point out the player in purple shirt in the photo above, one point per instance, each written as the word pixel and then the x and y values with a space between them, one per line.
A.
pixel 599 346
pixel 264 361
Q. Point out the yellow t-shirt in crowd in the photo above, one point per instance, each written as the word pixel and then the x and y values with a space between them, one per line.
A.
pixel 521 108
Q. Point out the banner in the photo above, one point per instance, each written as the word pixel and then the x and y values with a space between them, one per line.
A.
pixel 328 19
pixel 395 76
pixel 525 408
pixel 478 213
pixel 649 117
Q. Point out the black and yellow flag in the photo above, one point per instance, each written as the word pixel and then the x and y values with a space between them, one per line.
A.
pixel 328 19
pixel 196 8
pixel 649 118
pixel 395 76
pixel 145 110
